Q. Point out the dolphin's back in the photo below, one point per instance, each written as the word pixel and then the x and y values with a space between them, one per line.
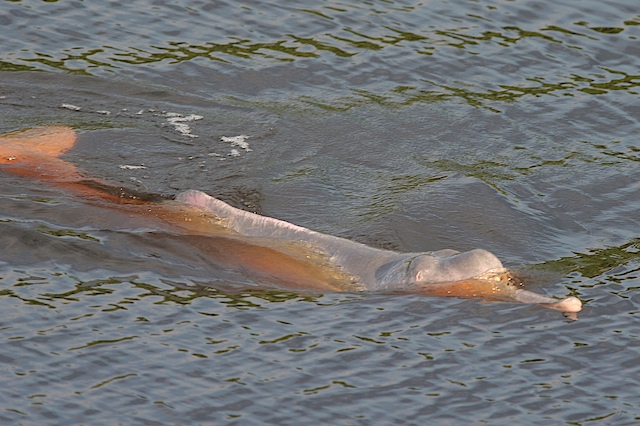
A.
pixel 375 269
pixel 251 224
pixel 356 259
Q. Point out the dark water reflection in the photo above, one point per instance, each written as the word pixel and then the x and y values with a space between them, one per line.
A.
pixel 510 126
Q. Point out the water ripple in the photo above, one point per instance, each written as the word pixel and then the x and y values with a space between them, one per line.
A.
pixel 360 41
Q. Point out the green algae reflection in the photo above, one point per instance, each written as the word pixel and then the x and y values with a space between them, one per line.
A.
pixel 67 233
pixel 52 289
pixel 596 261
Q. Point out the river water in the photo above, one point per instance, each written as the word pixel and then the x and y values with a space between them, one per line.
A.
pixel 506 125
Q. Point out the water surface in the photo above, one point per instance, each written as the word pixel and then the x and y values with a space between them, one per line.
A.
pixel 510 126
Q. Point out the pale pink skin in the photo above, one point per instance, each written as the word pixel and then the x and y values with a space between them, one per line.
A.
pixel 430 273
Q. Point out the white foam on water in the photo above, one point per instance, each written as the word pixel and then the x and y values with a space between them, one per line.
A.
pixel 71 107
pixel 178 121
pixel 130 167
pixel 239 141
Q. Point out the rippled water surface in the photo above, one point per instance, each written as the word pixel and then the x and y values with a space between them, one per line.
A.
pixel 507 125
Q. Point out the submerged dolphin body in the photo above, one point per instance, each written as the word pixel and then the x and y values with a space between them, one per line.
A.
pixel 282 253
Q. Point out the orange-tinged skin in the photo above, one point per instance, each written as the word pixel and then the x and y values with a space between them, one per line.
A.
pixel 489 290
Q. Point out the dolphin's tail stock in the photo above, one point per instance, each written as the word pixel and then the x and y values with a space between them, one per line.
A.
pixel 35 153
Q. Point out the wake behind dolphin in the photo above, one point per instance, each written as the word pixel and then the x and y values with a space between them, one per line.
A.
pixel 300 257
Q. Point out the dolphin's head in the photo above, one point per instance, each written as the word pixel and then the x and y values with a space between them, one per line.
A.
pixel 437 267
pixel 449 266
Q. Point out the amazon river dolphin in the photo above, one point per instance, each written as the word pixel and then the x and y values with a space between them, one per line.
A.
pixel 275 251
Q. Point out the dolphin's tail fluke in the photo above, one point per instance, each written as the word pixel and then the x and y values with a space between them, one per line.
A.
pixel 35 153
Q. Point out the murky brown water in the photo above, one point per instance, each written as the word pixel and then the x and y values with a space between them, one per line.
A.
pixel 510 126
